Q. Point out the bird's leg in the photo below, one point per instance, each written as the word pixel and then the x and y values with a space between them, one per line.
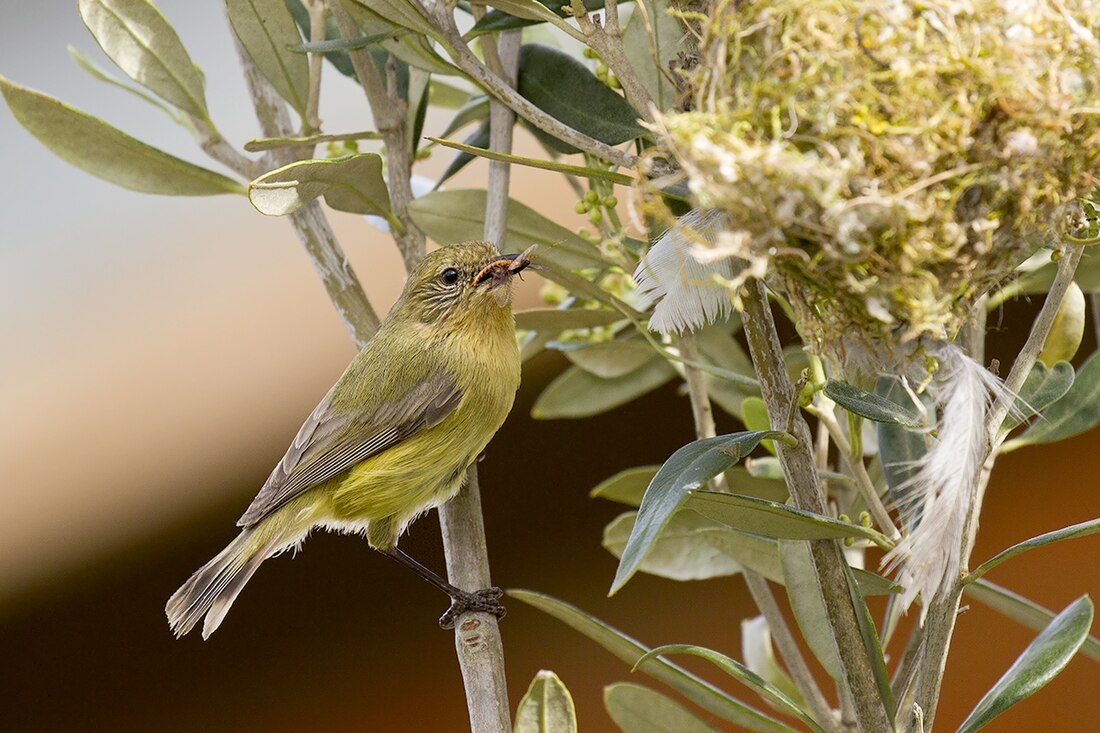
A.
pixel 486 600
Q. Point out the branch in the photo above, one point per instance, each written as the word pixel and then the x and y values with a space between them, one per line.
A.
pixel 943 609
pixel 310 222
pixel 607 41
pixel 389 119
pixel 506 94
pixel 805 488
pixel 761 593
pixel 477 635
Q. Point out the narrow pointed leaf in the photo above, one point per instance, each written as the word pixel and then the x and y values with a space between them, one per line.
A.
pixel 103 75
pixel 414 48
pixel 1043 659
pixel 547 707
pixel 1066 533
pixel 448 96
pixel 754 416
pixel 625 487
pixel 687 469
pixel 499 20
pixel 808 605
pixel 475 108
pixel 352 183
pixel 1077 411
pixel 759 655
pixel 266 30
pixel 582 287
pixel 630 651
pixel 555 320
pixel 576 393
pixel 1043 387
pixel 744 675
pixel 870 405
pixel 97 148
pixel 565 89
pixel 1022 610
pixel 900 448
pixel 135 35
pixel 771 519
pixel 872 647
pixel 479 138
pixel 637 709
pixel 343 45
pixel 549 165
pixel 458 215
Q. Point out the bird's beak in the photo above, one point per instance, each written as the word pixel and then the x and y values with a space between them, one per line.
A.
pixel 500 270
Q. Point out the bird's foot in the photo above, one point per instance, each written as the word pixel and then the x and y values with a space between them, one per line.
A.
pixel 486 600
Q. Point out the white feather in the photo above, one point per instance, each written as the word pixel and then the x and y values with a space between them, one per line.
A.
pixel 687 294
pixel 935 502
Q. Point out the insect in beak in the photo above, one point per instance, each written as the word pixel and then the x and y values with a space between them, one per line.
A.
pixel 500 270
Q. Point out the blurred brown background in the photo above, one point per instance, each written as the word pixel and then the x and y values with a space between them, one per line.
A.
pixel 160 353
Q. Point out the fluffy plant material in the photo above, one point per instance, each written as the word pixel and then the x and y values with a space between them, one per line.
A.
pixel 888 161
pixel 934 503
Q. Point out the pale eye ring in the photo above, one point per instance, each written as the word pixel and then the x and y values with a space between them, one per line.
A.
pixel 449 276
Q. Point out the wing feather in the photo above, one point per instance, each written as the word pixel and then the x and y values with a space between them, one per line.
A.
pixel 331 441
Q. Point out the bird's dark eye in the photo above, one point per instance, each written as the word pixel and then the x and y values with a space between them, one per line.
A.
pixel 449 276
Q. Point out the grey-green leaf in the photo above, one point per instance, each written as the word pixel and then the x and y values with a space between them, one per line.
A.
pixel 576 393
pixel 135 35
pixel 352 183
pixel 629 650
pixel 746 676
pixel 1022 610
pixel 555 320
pixel 547 707
pixel 771 519
pixel 94 146
pixel 651 61
pixel 459 215
pixel 565 89
pixel 1043 387
pixel 1082 529
pixel 808 604
pixel 1077 411
pixel 625 487
pixel 687 469
pixel 608 359
pixel 103 75
pixel 683 550
pixel 637 709
pixel 267 31
pixel 900 448
pixel 1043 659
pixel 870 405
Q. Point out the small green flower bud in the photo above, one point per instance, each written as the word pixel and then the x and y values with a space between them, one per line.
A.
pixel 582 207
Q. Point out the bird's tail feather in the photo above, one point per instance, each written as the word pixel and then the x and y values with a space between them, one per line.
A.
pixel 213 587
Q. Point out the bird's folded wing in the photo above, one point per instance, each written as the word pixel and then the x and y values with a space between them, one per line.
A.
pixel 332 441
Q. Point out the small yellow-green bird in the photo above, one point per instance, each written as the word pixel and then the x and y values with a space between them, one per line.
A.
pixel 393 437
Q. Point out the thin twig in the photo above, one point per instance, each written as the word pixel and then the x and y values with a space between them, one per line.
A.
pixel 858 470
pixel 701 410
pixel 440 16
pixel 318 14
pixel 607 41
pixel 789 650
pixel 477 635
pixel 389 118
pixel 310 222
pixel 807 493
pixel 939 625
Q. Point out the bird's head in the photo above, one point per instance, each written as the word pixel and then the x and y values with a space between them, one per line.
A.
pixel 470 279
